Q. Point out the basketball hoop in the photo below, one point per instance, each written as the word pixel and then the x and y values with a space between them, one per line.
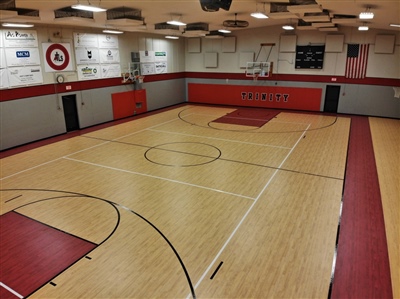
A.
pixel 255 77
pixel 140 79
pixel 127 77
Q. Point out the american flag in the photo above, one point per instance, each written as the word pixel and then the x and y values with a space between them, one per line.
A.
pixel 356 63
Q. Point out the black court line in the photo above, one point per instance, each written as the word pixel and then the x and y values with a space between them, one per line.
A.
pixel 216 270
pixel 219 158
pixel 115 205
pixel 252 130
pixel 211 158
pixel 13 198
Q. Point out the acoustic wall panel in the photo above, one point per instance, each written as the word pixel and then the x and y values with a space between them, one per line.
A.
pixel 194 45
pixel 229 44
pixel 334 43
pixel 384 44
pixel 211 59
pixel 288 43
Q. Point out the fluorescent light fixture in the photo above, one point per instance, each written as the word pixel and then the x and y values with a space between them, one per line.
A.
pixel 366 15
pixel 172 37
pixel 176 23
pixel 259 15
pixel 395 25
pixel 363 28
pixel 288 27
pixel 224 31
pixel 112 31
pixel 20 25
pixel 88 8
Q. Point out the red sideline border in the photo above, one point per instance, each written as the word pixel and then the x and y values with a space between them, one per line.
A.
pixel 47 89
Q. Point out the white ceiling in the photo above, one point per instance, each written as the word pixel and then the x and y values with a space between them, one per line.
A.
pixel 158 11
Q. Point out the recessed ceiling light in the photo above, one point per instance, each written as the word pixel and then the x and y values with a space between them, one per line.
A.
pixel 172 37
pixel 395 25
pixel 363 28
pixel 224 31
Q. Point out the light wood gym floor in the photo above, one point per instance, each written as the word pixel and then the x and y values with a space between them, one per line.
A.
pixel 178 209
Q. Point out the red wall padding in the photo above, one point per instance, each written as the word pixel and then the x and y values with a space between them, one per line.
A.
pixel 123 104
pixel 298 98
pixel 129 103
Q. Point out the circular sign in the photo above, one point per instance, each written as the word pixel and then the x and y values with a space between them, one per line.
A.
pixel 57 57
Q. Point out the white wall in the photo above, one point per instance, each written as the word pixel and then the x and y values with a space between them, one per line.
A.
pixel 379 65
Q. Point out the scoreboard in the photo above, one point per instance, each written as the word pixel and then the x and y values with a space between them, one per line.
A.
pixel 310 57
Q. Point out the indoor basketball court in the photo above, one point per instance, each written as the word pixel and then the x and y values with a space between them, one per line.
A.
pixel 194 201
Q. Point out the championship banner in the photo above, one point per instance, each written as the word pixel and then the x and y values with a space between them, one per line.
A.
pixel 109 56
pixel 20 38
pixel 22 56
pixel 108 41
pixel 20 76
pixel 57 57
pixel 89 72
pixel 110 71
pixel 87 56
pixel 4 79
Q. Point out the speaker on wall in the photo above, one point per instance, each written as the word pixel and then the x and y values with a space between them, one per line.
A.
pixel 215 5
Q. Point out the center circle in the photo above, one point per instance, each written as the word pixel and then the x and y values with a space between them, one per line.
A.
pixel 182 154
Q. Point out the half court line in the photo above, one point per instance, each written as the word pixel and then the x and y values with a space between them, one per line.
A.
pixel 160 178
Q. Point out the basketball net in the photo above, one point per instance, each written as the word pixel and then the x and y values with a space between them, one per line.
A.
pixel 255 77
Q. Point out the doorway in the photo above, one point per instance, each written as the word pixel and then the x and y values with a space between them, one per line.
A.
pixel 332 95
pixel 70 112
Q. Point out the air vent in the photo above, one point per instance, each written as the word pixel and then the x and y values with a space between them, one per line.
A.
pixel 165 26
pixel 196 29
pixel 317 17
pixel 68 12
pixel 124 13
pixel 7 4
pixel 27 12
pixel 343 19
pixel 302 25
pixel 215 34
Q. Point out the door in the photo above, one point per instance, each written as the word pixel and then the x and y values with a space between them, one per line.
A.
pixel 70 112
pixel 332 98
